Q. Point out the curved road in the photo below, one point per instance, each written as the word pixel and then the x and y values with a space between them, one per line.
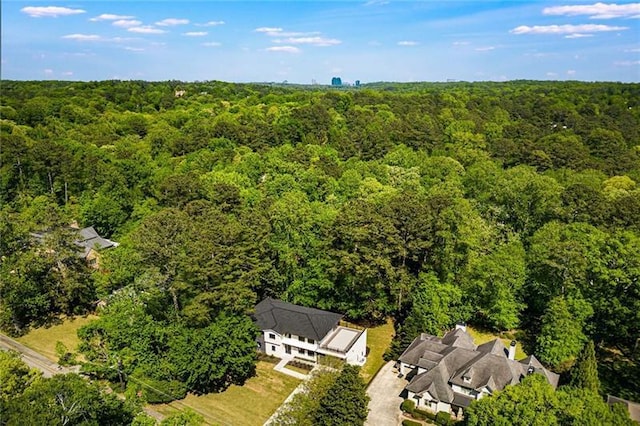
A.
pixel 49 368
pixel 33 359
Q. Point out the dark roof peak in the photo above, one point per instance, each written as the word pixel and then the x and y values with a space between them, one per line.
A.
pixel 283 317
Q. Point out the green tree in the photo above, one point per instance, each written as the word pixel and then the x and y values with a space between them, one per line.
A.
pixel 584 373
pixel 300 411
pixel 562 333
pixel 345 402
pixel 533 402
pixel 15 376
pixel 66 399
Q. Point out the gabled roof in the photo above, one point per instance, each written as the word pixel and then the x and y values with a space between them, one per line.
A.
pixel 455 360
pixel 91 240
pixel 434 382
pixel 283 317
pixel 494 347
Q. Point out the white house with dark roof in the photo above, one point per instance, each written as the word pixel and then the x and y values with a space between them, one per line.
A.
pixel 447 373
pixel 292 331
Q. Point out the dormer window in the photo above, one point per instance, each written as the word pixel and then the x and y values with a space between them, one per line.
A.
pixel 466 379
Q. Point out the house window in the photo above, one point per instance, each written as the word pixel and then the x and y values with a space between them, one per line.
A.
pixel 311 341
pixel 310 353
pixel 301 338
pixel 288 335
pixel 272 336
pixel 301 351
pixel 273 348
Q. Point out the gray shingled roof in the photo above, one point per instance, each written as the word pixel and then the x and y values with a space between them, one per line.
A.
pixel 454 356
pixel 283 317
pixel 91 240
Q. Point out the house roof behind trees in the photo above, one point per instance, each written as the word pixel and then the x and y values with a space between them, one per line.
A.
pixel 287 318
pixel 91 240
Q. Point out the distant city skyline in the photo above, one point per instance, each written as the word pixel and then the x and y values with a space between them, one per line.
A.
pixel 314 41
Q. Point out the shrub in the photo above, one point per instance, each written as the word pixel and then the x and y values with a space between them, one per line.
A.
pixel 417 414
pixel 65 357
pixel 407 422
pixel 408 406
pixel 427 414
pixel 443 418
pixel 160 391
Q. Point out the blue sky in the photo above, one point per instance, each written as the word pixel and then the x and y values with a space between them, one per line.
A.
pixel 305 41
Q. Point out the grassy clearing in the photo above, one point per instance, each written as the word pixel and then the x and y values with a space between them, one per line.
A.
pixel 483 336
pixel 250 404
pixel 43 339
pixel 378 340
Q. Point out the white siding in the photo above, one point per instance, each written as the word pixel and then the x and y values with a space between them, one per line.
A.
pixel 357 355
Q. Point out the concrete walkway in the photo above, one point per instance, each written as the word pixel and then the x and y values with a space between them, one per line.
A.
pixel 297 390
pixel 282 367
pixel 384 393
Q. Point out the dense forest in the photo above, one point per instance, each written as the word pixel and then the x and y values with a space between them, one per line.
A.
pixel 512 206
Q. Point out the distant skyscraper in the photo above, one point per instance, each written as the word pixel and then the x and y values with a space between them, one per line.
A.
pixel 336 81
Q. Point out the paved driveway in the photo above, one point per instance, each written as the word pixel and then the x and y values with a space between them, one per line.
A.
pixel 384 391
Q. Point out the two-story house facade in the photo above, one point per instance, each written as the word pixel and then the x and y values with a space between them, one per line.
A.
pixel 293 331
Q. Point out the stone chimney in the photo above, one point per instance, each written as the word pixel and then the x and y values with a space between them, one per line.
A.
pixel 461 326
pixel 512 350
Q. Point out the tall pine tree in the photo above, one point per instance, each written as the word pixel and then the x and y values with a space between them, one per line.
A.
pixel 584 373
pixel 345 403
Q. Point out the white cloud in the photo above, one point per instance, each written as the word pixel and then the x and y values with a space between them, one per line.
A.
pixel 82 37
pixel 48 71
pixel 461 43
pixel 626 63
pixel 565 29
pixel 211 24
pixel 110 17
pixel 376 3
pixel 314 41
pixel 268 30
pixel 50 11
pixel 637 49
pixel 279 32
pixel 195 34
pixel 484 49
pixel 407 43
pixel 286 49
pixel 134 49
pixel 170 22
pixel 211 44
pixel 146 29
pixel 597 10
pixel 126 23
pixel 571 72
pixel 578 35
pixel 552 74
pixel 67 73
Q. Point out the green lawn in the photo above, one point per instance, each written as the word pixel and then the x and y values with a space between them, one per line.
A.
pixel 250 404
pixel 483 336
pixel 378 340
pixel 43 339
